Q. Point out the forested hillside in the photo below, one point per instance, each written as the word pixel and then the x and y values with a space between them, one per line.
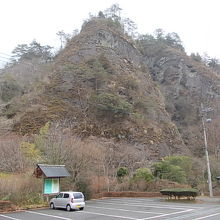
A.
pixel 110 105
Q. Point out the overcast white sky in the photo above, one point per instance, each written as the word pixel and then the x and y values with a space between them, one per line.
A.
pixel 196 21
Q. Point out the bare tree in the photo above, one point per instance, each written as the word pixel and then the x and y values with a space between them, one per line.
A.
pixel 64 38
pixel 11 158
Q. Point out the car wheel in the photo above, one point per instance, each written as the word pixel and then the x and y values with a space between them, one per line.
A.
pixel 68 208
pixel 52 205
pixel 81 208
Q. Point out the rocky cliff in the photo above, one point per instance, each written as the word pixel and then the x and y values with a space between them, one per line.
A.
pixel 185 83
pixel 101 85
pixel 106 85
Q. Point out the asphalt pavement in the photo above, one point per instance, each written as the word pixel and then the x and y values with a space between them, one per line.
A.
pixel 127 208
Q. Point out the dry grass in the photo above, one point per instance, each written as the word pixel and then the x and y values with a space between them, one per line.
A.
pixel 21 189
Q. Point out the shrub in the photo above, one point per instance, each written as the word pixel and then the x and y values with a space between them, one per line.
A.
pixel 96 73
pixel 106 63
pixel 146 104
pixel 143 174
pixel 141 180
pixel 9 89
pixel 121 173
pixel 174 168
pixel 165 170
pixel 176 174
pixel 30 152
pixel 130 82
pixel 10 110
pixel 112 105
pixel 183 162
pixel 180 192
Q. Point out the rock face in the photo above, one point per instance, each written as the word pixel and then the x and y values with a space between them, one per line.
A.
pixel 186 84
pixel 104 85
pixel 98 37
pixel 154 130
pixel 101 85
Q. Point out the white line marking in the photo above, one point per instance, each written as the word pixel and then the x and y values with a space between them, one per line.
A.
pixel 10 217
pixel 114 216
pixel 133 199
pixel 206 216
pixel 152 202
pixel 152 206
pixel 125 210
pixel 165 215
pixel 188 210
pixel 54 216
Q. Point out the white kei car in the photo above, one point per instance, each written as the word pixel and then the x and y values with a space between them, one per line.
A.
pixel 68 200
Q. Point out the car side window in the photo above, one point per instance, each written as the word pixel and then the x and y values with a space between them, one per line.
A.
pixel 66 195
pixel 60 196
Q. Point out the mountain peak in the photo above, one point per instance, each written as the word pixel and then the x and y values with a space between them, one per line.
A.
pixel 111 86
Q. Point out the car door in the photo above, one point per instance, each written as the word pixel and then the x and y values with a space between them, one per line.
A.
pixel 65 200
pixel 58 200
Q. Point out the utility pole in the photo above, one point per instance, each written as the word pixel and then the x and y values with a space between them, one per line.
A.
pixel 207 155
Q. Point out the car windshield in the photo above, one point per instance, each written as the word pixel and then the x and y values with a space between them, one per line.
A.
pixel 78 195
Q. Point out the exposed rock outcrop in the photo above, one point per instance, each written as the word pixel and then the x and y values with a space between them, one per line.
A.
pixel 186 84
pixel 104 84
pixel 100 64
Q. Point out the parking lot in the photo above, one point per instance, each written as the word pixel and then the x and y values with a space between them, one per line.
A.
pixel 125 208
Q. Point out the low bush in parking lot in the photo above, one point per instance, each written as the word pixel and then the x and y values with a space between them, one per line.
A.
pixel 177 193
